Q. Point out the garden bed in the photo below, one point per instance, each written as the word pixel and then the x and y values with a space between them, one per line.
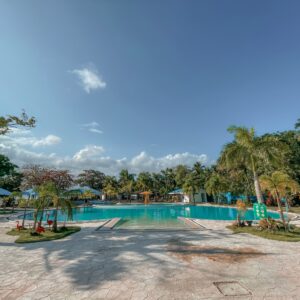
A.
pixel 26 237
pixel 280 235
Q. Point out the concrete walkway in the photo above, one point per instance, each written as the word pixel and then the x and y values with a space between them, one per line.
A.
pixel 123 264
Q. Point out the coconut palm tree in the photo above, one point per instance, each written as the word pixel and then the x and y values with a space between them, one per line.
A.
pixel 191 186
pixel 111 187
pixel 216 184
pixel 252 151
pixel 46 192
pixel 279 184
pixel 126 182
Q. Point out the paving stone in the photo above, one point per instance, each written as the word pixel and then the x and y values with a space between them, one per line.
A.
pixel 137 265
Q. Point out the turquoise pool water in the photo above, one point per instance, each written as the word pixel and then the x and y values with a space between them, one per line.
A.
pixel 153 216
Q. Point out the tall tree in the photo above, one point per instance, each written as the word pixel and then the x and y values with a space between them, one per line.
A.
pixel 191 186
pixel 169 179
pixel 35 175
pixel 9 122
pixel 158 184
pixel 65 205
pixel 6 166
pixel 111 187
pixel 92 178
pixel 291 139
pixel 126 182
pixel 144 182
pixel 10 179
pixel 47 191
pixel 50 184
pixel 217 184
pixel 200 174
pixel 181 172
pixel 250 150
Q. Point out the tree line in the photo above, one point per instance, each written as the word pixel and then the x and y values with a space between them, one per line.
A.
pixel 238 170
pixel 267 166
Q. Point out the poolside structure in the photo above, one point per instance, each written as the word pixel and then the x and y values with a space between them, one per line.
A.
pixel 185 198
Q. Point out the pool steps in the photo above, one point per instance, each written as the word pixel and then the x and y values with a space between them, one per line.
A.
pixel 109 224
pixel 197 221
pixel 194 223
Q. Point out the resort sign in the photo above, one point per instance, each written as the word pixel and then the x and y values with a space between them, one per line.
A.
pixel 260 211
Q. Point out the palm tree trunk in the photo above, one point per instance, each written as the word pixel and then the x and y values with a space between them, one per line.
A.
pixel 54 228
pixel 35 218
pixel 257 188
pixel 280 210
pixel 24 215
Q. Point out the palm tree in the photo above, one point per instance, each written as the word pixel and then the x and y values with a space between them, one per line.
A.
pixel 251 151
pixel 144 181
pixel 126 181
pixel 216 184
pixel 46 192
pixel 66 207
pixel 111 188
pixel 279 184
pixel 191 186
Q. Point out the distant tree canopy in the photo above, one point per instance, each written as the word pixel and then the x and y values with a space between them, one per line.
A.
pixel 9 122
pixel 92 178
pixel 35 176
pixel 241 163
pixel 10 178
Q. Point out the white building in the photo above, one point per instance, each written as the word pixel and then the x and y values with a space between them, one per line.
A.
pixel 200 197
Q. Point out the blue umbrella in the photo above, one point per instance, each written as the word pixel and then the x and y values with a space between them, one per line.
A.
pixel 4 192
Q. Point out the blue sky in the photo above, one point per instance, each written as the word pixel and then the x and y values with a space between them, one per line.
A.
pixel 145 84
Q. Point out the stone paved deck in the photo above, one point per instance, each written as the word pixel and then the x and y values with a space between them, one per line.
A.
pixel 123 264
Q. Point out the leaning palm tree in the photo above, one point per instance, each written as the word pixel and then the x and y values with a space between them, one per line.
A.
pixel 252 151
pixel 279 184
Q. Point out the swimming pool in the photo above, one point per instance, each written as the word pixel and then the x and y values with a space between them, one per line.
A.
pixel 154 215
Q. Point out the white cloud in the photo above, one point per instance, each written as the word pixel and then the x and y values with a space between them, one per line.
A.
pixel 92 127
pixel 95 130
pixel 47 141
pixel 25 138
pixel 90 79
pixel 22 148
pixel 88 152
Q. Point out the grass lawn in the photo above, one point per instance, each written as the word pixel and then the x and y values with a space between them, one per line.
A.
pixel 26 237
pixel 293 236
